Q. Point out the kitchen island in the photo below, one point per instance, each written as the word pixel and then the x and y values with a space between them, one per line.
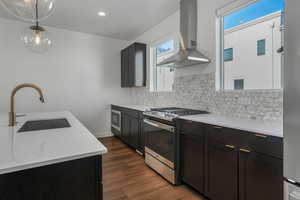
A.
pixel 54 164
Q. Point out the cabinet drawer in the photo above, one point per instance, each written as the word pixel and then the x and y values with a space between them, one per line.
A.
pixel 269 145
pixel 223 135
pixel 131 113
pixel 191 128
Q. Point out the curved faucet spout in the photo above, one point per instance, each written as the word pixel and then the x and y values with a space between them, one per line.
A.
pixel 12 115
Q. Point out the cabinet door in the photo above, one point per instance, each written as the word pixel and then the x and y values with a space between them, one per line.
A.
pixel 130 133
pixel 141 147
pixel 221 171
pixel 131 66
pixel 140 65
pixel 76 180
pixel 125 128
pixel 125 68
pixel 192 160
pixel 11 186
pixel 260 176
pixel 134 132
pixel 123 71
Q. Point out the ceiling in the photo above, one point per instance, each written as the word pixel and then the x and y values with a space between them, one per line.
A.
pixel 126 20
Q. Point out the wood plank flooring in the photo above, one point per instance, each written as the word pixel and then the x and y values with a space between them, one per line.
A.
pixel 126 177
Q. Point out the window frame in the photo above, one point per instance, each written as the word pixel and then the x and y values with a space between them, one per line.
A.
pixel 153 60
pixel 220 13
pixel 258 42
pixel 239 79
pixel 167 53
pixel 231 58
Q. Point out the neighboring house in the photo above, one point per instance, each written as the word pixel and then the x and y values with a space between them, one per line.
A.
pixel 251 60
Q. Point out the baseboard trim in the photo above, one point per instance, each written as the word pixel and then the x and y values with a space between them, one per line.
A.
pixel 103 134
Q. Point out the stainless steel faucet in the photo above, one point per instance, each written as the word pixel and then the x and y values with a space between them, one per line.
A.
pixel 12 114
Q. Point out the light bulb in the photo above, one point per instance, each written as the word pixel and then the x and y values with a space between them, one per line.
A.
pixel 51 5
pixel 102 14
pixel 37 39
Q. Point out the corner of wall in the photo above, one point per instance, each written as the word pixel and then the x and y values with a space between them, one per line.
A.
pixel 103 134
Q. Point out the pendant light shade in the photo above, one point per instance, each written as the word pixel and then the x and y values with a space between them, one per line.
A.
pixel 37 39
pixel 26 9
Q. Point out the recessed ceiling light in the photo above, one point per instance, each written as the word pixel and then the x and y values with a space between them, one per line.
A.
pixel 102 14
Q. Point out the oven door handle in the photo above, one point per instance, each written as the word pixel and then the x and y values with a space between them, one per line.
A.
pixel 159 125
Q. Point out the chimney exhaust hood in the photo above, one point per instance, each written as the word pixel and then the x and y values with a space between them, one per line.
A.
pixel 188 54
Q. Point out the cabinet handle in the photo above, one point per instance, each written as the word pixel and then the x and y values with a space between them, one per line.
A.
pixel 261 136
pixel 217 127
pixel 245 150
pixel 230 146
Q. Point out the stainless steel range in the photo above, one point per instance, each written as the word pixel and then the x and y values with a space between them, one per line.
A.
pixel 161 144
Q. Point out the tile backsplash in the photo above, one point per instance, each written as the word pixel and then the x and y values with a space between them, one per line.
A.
pixel 198 92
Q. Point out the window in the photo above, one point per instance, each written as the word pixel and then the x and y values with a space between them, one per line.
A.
pixel 165 48
pixel 261 47
pixel 228 54
pixel 250 33
pixel 239 84
pixel 162 78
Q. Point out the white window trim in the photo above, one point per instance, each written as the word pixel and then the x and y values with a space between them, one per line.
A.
pixel 220 13
pixel 219 54
pixel 152 61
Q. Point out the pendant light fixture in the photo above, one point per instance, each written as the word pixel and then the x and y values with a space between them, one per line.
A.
pixel 36 38
pixel 26 9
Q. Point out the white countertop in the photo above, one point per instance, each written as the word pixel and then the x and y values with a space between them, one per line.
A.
pixel 20 151
pixel 135 107
pixel 256 126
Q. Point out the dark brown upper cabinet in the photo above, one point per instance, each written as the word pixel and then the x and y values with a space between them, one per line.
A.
pixel 133 65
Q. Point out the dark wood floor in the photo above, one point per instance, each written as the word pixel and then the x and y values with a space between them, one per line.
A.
pixel 126 177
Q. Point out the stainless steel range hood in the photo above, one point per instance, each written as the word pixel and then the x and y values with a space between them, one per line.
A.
pixel 188 54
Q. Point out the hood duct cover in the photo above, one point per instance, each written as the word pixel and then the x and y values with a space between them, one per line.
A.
pixel 188 54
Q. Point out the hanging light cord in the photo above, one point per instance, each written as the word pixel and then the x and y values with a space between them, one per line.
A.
pixel 37 13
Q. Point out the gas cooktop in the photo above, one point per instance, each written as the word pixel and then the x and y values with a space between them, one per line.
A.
pixel 171 113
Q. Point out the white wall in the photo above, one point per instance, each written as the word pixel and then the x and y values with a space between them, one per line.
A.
pixel 258 72
pixel 81 73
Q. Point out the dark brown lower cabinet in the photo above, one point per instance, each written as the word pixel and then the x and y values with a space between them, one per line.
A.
pixel 237 165
pixel 260 177
pixel 192 154
pixel 72 180
pixel 130 130
pixel 221 172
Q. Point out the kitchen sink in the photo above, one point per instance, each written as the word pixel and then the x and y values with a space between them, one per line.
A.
pixel 38 125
